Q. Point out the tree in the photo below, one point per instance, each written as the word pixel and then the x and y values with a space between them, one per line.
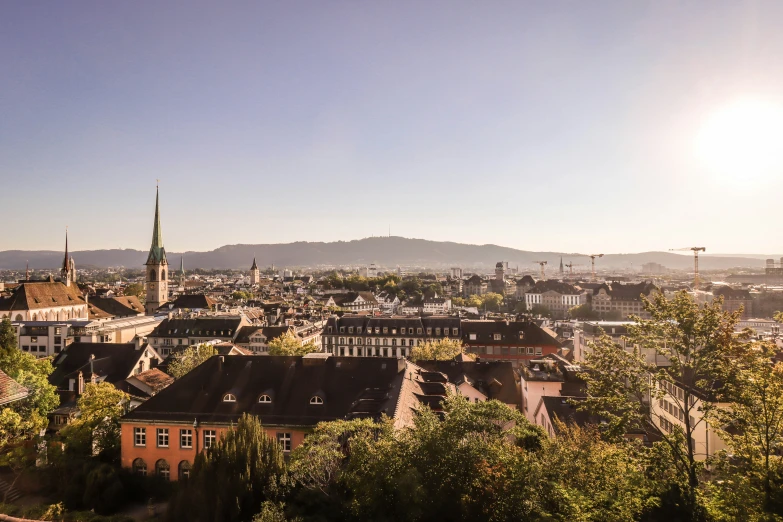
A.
pixel 241 295
pixel 691 345
pixel 492 301
pixel 290 344
pixel 100 408
pixel 753 426
pixel 192 356
pixel 440 350
pixel 582 312
pixel 233 478
pixel 136 289
pixel 520 307
pixel 25 418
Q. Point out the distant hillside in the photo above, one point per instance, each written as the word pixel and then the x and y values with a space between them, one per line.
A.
pixel 385 251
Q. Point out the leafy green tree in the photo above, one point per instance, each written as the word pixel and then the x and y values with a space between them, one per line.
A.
pixel 241 295
pixel 290 344
pixel 25 418
pixel 192 356
pixel 691 345
pixel 135 289
pixel 753 427
pixel 492 301
pixel 100 408
pixel 459 301
pixel 582 312
pixel 233 478
pixel 440 350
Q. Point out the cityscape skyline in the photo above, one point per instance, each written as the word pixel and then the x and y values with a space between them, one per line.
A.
pixel 527 126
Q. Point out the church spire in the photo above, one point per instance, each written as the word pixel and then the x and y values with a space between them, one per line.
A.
pixel 254 266
pixel 66 265
pixel 157 252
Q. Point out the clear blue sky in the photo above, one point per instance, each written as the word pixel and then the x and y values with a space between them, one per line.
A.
pixel 538 125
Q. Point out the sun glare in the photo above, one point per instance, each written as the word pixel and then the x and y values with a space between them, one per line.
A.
pixel 743 139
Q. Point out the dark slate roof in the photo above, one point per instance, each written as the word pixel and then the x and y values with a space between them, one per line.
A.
pixel 10 390
pixel 113 362
pixel 495 379
pixel 731 293
pixel 125 306
pixel 42 294
pixel 555 286
pixel 526 280
pixel 629 292
pixel 270 332
pixel 475 279
pixel 191 301
pixel 509 333
pixel 350 387
pixel 221 326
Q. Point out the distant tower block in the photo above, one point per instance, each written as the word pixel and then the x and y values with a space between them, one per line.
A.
pixel 157 267
pixel 255 273
pixel 500 271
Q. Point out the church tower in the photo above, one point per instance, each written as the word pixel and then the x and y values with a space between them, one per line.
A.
pixel 68 270
pixel 255 274
pixel 157 267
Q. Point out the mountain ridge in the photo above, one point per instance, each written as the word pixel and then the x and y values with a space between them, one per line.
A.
pixel 384 251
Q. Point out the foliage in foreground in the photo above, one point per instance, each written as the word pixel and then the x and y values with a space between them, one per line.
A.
pixel 192 356
pixel 290 344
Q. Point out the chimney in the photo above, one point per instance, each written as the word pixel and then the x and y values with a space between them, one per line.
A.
pixel 80 384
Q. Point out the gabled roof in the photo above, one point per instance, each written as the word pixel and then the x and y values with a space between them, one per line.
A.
pixel 189 301
pixel 509 333
pixel 350 387
pixel 561 408
pixel 555 286
pixel 113 362
pixel 34 295
pixel 125 306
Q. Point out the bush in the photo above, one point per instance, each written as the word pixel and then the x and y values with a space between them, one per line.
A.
pixel 104 492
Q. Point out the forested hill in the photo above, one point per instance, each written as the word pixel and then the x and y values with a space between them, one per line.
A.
pixel 385 251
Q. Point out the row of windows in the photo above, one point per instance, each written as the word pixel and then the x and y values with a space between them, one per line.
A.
pixel 506 350
pixel 266 399
pixel 186 437
pixel 341 340
pixel 385 329
pixel 162 468
pixel 379 352
pixel 162 437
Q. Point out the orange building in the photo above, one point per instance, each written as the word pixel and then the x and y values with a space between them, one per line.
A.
pixel 290 395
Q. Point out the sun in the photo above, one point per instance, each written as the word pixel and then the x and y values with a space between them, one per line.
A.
pixel 743 140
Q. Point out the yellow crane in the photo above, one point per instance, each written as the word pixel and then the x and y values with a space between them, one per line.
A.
pixel 592 264
pixel 696 251
pixel 542 263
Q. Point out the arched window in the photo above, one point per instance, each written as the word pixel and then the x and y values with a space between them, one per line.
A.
pixel 265 399
pixel 184 470
pixel 229 397
pixel 18 317
pixel 35 317
pixel 163 275
pixel 140 467
pixel 162 469
pixel 153 275
pixel 315 399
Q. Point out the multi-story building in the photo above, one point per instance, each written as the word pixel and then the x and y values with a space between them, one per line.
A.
pixel 550 376
pixel 47 300
pixel 179 332
pixel 735 299
pixel 590 331
pixel 436 305
pixel 384 336
pixel 513 341
pixel 388 303
pixel 354 302
pixel 290 396
pixel 524 284
pixel 557 297
pixel 475 285
pixel 621 300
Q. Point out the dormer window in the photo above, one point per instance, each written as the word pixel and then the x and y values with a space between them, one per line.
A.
pixel 315 399
pixel 350 329
pixel 342 329
pixel 265 399
pixel 358 329
pixel 496 336
pixel 229 397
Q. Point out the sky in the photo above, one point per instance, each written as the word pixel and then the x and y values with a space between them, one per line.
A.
pixel 560 125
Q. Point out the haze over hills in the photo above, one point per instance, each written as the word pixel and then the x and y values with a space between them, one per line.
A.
pixel 385 251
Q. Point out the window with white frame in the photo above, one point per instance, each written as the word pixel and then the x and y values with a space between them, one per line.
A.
pixel 139 436
pixel 210 436
pixel 163 437
pixel 186 438
pixel 284 439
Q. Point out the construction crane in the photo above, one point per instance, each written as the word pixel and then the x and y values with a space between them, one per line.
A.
pixel 570 267
pixel 592 263
pixel 542 263
pixel 696 251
